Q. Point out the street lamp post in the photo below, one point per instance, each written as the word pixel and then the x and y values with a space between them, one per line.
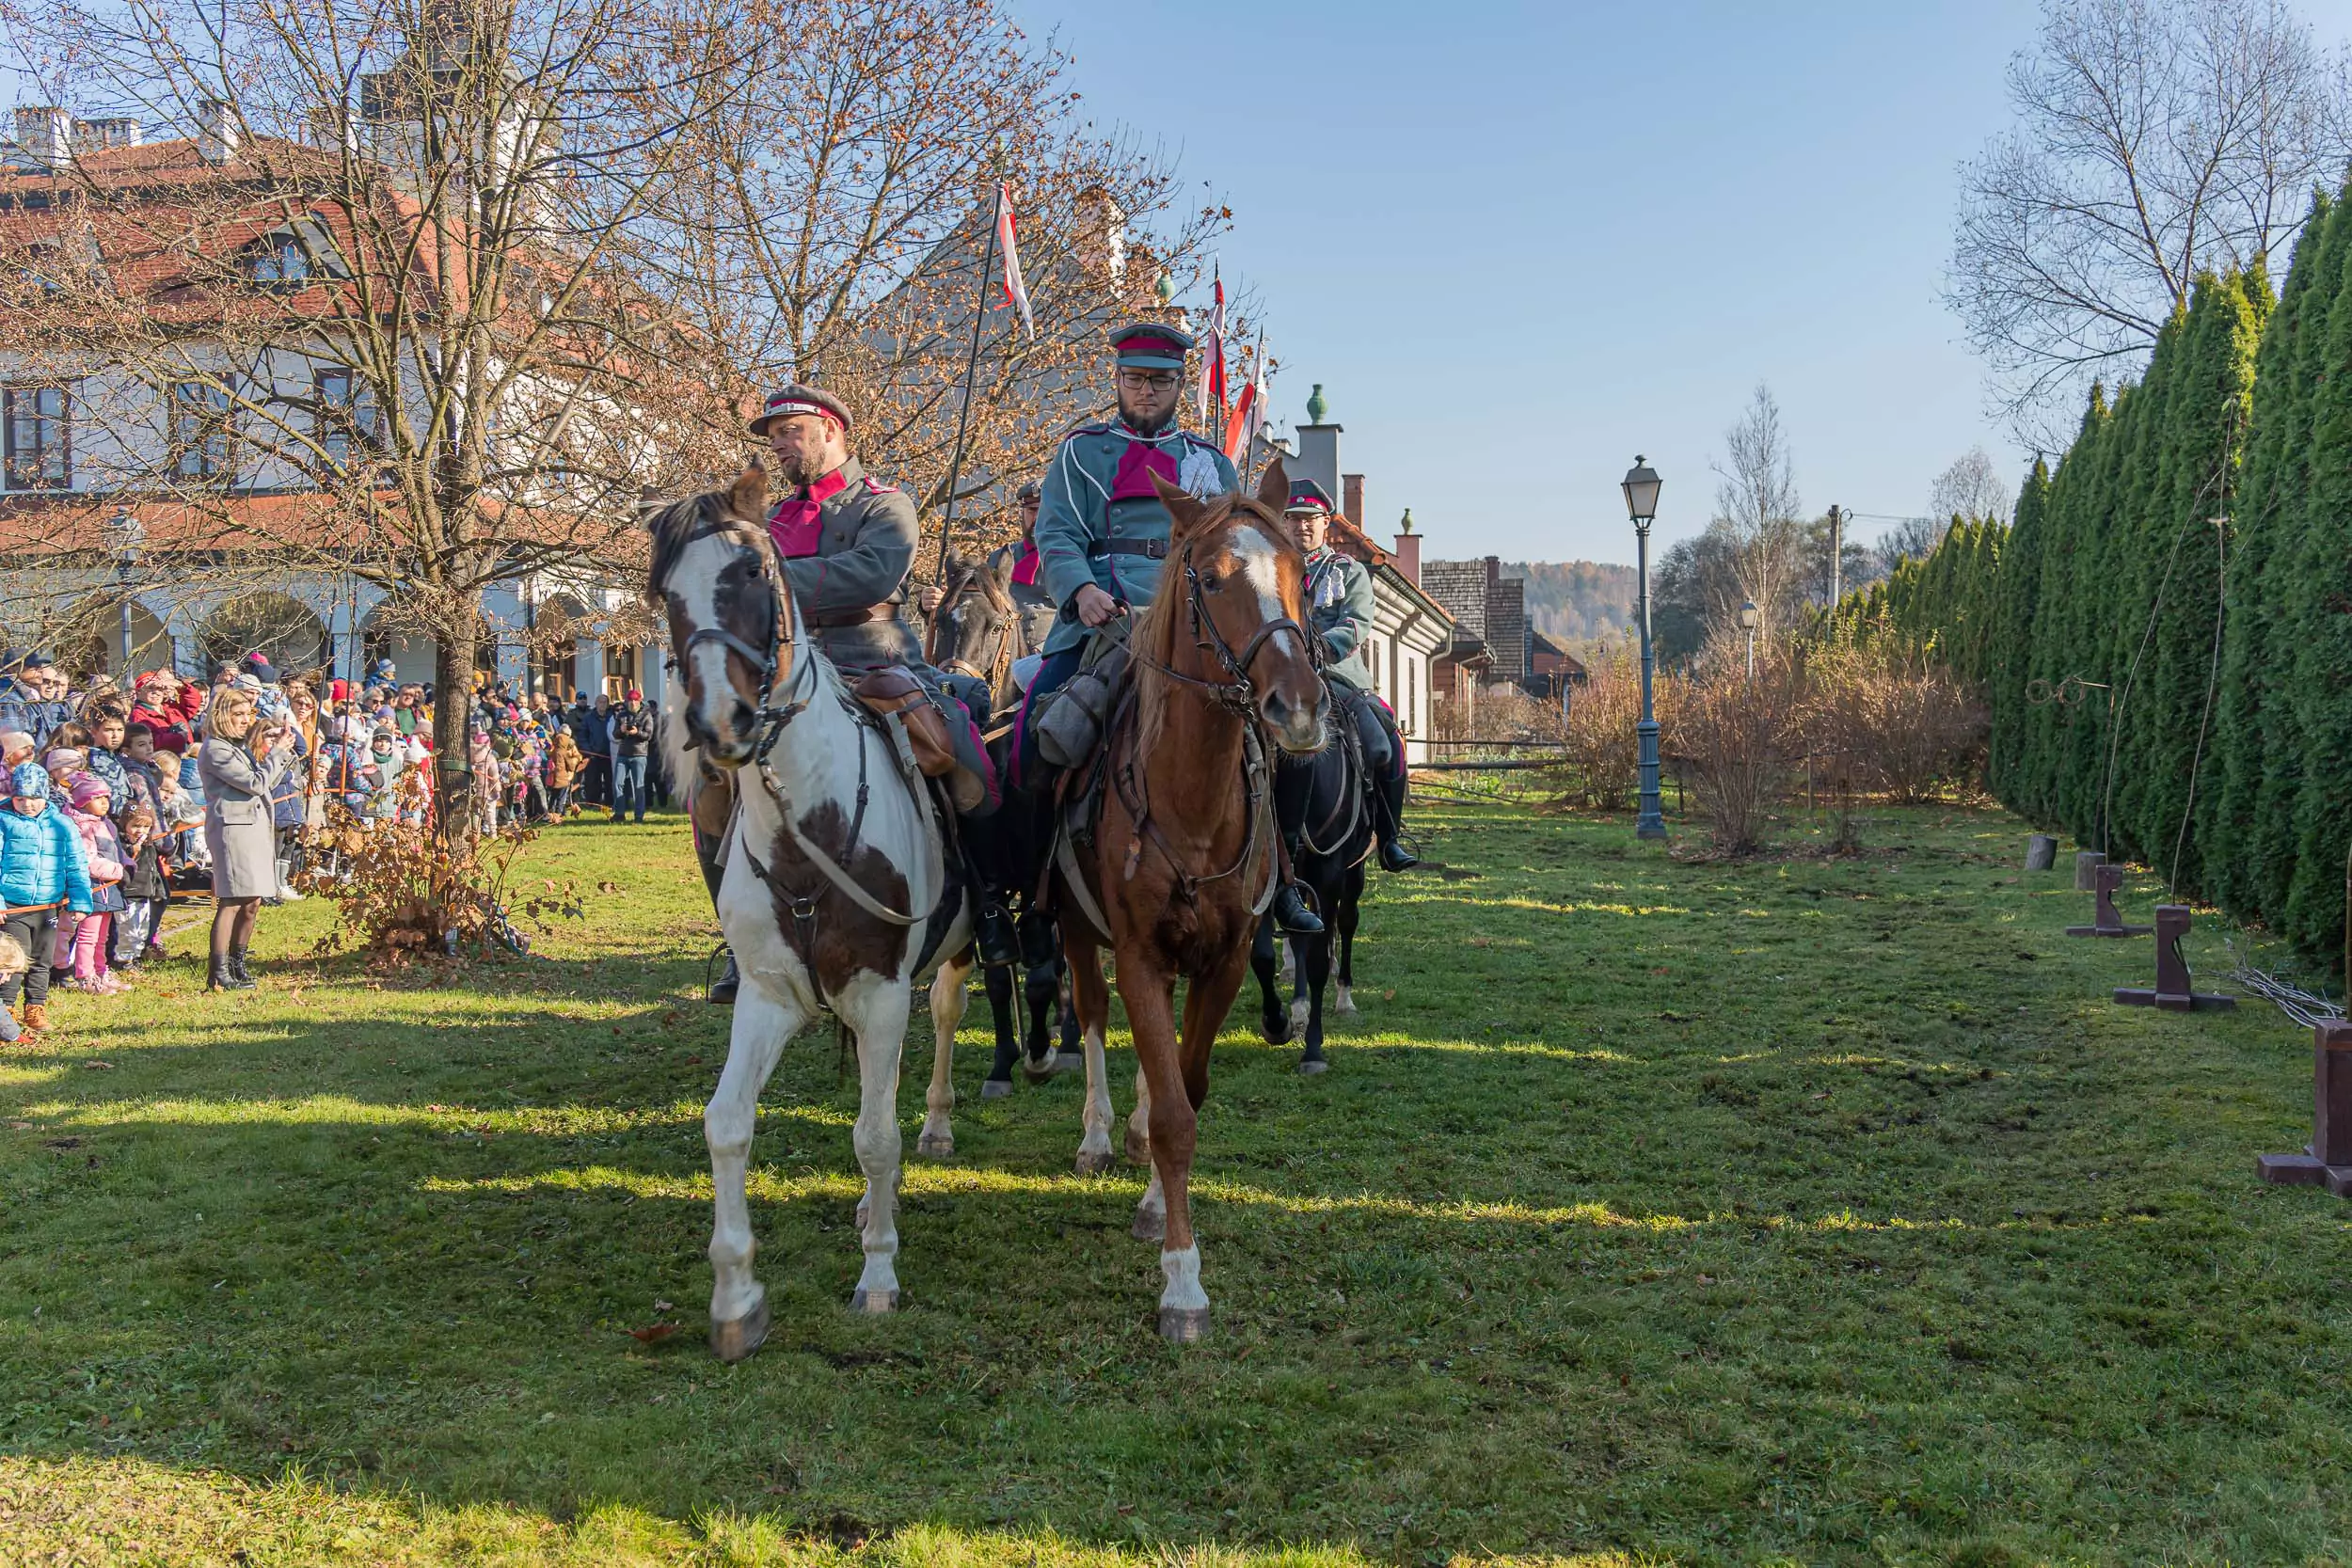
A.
pixel 127 535
pixel 1749 617
pixel 1641 488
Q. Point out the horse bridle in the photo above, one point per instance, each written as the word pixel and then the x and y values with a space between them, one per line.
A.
pixel 1240 693
pixel 770 715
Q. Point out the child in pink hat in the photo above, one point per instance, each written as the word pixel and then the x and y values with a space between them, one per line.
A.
pixel 89 809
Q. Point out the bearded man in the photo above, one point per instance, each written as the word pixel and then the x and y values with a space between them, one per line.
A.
pixel 1102 531
pixel 845 543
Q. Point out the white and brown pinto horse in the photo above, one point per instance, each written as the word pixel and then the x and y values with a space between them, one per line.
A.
pixel 1185 851
pixel 835 889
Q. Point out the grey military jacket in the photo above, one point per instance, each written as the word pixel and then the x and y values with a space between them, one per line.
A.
pixel 1340 603
pixel 863 549
pixel 1033 606
pixel 1100 521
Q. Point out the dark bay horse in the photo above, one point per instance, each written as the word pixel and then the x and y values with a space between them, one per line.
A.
pixel 1330 865
pixel 1185 852
pixel 973 633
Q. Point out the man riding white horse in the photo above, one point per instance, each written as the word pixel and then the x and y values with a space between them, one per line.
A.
pixel 845 543
pixel 1103 531
pixel 1340 604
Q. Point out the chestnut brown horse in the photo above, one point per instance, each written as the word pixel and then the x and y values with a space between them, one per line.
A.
pixel 1185 852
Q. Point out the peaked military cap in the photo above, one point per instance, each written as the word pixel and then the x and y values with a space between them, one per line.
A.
pixel 1307 496
pixel 1150 345
pixel 797 398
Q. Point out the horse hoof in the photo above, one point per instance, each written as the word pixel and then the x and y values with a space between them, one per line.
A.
pixel 935 1145
pixel 1183 1325
pixel 1093 1163
pixel 1070 1061
pixel 1347 1003
pixel 1309 1065
pixel 734 1342
pixel 1139 1148
pixel 1037 1072
pixel 996 1088
pixel 1150 1225
pixel 873 1304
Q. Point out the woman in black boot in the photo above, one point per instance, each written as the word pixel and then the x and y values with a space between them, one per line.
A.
pixel 242 762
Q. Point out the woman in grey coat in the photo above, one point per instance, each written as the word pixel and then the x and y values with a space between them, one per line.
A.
pixel 242 762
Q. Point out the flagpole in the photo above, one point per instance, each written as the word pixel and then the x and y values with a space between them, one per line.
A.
pixel 963 416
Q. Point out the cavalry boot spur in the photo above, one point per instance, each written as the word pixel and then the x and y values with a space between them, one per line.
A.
pixel 1292 914
pixel 238 978
pixel 730 980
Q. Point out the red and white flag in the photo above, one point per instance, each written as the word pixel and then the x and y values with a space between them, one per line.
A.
pixel 1016 293
pixel 1210 393
pixel 1249 409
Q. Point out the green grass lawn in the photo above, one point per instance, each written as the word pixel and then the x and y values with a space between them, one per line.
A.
pixel 1655 1208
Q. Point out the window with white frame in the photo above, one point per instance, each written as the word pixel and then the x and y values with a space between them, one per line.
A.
pixel 345 416
pixel 40 436
pixel 201 432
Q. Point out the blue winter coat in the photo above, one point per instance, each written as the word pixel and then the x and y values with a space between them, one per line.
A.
pixel 40 860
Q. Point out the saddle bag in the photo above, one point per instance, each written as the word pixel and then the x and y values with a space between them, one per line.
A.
pixel 1068 727
pixel 894 690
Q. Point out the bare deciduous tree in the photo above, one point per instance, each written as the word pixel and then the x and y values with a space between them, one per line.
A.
pixel 1971 487
pixel 1756 507
pixel 2154 138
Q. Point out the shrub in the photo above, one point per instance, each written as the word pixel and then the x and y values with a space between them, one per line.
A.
pixel 1736 737
pixel 402 892
pixel 1598 733
pixel 1888 720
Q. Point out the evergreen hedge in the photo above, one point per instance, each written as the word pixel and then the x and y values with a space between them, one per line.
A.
pixel 2164 634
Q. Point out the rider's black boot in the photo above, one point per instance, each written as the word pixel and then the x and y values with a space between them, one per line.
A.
pixel 1291 914
pixel 1387 804
pixel 723 989
pixel 984 854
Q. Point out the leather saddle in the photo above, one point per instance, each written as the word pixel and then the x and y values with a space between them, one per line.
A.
pixel 892 692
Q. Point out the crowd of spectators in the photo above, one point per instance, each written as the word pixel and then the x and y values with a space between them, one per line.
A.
pixel 118 799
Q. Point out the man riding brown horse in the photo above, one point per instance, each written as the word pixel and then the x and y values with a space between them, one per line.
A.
pixel 1103 531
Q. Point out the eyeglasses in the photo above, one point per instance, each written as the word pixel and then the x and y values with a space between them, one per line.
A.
pixel 1156 380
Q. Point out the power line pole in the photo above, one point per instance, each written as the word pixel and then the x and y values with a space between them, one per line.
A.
pixel 1837 554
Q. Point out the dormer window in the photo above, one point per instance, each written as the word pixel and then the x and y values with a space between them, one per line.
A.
pixel 280 262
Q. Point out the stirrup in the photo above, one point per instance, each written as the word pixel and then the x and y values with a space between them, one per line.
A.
pixel 1394 857
pixel 720 991
pixel 992 933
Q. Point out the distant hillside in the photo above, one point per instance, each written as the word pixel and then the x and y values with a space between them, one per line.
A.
pixel 1576 601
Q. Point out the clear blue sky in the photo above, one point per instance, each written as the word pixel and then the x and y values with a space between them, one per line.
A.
pixel 1519 242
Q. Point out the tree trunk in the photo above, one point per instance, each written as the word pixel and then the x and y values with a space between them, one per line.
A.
pixel 452 706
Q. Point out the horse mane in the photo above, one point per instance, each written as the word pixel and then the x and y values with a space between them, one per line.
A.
pixel 1154 639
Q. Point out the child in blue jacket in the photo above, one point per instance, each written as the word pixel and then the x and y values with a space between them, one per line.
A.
pixel 42 868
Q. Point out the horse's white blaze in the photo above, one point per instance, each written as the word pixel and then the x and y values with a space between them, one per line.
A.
pixel 1097 1116
pixel 1182 1269
pixel 1260 569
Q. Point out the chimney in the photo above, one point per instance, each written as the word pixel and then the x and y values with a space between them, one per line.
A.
pixel 1352 497
pixel 1318 446
pixel 1408 549
pixel 46 135
pixel 215 131
pixel 114 130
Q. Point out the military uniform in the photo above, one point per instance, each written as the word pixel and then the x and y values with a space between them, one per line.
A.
pixel 845 544
pixel 1100 521
pixel 1340 607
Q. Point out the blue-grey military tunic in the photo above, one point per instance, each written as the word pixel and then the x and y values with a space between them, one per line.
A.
pixel 1340 604
pixel 1100 521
